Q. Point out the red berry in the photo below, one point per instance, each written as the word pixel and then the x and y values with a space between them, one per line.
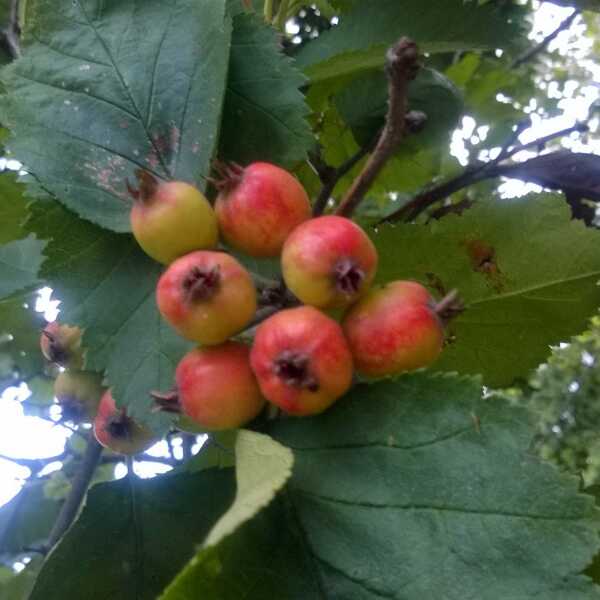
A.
pixel 217 388
pixel 119 432
pixel 328 262
pixel 301 360
pixel 394 329
pixel 206 296
pixel 258 206
pixel 171 218
pixel 61 344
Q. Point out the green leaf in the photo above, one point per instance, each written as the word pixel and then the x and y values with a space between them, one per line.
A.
pixel 107 88
pixel 19 264
pixel 264 113
pixel 57 485
pixel 20 328
pixel 481 91
pixel 13 208
pixel 42 391
pixel 217 451
pixel 527 273
pixel 351 112
pixel 135 535
pixel 363 106
pixel 404 490
pixel 262 468
pixel 20 585
pixel 26 520
pixel 461 71
pixel 563 399
pixel 106 285
pixel 5 574
pixel 361 39
pixel 265 559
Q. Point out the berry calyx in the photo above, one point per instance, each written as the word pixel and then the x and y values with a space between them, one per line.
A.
pixel 115 430
pixel 328 262
pixel 258 207
pixel 293 368
pixel 78 393
pixel 171 218
pixel 216 387
pixel 394 329
pixel 61 344
pixel 206 297
pixel 301 360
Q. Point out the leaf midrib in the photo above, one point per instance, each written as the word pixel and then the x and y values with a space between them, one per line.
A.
pixel 535 288
pixel 440 508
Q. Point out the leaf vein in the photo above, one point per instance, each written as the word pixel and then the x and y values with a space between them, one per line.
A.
pixel 124 85
pixel 453 509
pixel 73 91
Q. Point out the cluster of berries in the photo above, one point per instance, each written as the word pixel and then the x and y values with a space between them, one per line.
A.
pixel 83 398
pixel 301 359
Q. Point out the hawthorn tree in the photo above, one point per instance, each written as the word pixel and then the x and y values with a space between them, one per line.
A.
pixel 473 478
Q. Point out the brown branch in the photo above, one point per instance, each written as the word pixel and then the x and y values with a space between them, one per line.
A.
pixel 451 209
pixel 533 52
pixel 471 175
pixel 79 487
pixel 35 464
pixel 331 175
pixel 9 36
pixel 187 441
pixel 425 199
pixel 401 67
pixel 540 143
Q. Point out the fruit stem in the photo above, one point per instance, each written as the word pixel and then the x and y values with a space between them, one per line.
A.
pixel 449 307
pixel 229 175
pixel 148 185
pixel 166 401
pixel 56 353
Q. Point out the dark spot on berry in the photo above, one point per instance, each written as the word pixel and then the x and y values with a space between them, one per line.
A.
pixel 293 368
pixel 348 276
pixel 201 284
pixel 119 426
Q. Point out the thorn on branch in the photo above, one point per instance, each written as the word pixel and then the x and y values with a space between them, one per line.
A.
pixel 402 66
